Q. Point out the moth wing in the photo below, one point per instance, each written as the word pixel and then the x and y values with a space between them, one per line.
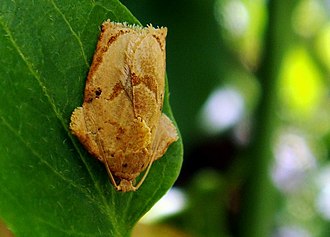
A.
pixel 146 60
pixel 108 94
pixel 79 129
pixel 166 134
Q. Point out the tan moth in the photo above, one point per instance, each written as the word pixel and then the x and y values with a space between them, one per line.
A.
pixel 121 121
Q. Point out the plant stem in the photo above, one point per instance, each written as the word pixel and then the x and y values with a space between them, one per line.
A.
pixel 260 199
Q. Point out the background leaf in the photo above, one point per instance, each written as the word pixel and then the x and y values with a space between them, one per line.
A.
pixel 50 186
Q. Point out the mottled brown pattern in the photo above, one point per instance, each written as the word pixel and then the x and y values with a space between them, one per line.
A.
pixel 160 42
pixel 114 38
pixel 116 90
pixel 147 81
pixel 135 79
pixel 120 121
pixel 103 48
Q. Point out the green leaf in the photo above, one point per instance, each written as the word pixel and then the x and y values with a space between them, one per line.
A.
pixel 50 185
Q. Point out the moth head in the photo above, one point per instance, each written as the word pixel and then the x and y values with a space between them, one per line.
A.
pixel 125 186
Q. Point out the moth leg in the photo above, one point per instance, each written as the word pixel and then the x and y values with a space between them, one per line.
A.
pixel 112 179
pixel 165 135
pixel 78 126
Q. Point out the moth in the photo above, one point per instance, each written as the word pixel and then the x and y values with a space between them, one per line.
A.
pixel 121 122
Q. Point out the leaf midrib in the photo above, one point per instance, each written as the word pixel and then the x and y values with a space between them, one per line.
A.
pixel 58 115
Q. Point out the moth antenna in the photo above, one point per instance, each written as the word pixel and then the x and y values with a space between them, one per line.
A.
pixel 145 173
pixel 100 145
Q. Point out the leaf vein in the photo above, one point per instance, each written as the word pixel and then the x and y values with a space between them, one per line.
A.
pixel 87 64
pixel 72 31
pixel 36 154
pixel 70 232
pixel 38 218
pixel 57 113
pixel 32 71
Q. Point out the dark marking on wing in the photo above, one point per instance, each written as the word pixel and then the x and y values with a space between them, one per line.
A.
pixel 148 81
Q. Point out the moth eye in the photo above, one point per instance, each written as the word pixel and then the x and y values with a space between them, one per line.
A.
pixel 124 165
